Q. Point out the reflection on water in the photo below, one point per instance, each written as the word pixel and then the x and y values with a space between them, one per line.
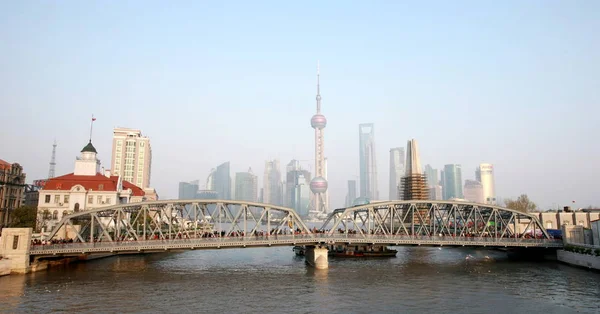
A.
pixel 274 280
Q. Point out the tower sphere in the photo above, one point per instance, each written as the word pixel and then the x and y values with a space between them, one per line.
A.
pixel 318 185
pixel 318 121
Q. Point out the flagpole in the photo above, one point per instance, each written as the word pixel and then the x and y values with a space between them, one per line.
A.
pixel 91 127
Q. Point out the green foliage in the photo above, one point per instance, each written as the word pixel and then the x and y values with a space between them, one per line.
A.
pixel 581 250
pixel 522 204
pixel 24 217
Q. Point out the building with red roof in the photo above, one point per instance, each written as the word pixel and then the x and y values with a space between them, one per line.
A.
pixel 83 189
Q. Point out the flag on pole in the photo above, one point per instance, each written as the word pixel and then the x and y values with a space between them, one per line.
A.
pixel 93 119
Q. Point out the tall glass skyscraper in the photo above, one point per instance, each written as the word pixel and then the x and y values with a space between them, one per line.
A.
pixel 222 181
pixel 188 190
pixel 485 175
pixel 246 186
pixel 397 171
pixel 272 186
pixel 453 186
pixel 297 187
pixel 351 196
pixel 367 161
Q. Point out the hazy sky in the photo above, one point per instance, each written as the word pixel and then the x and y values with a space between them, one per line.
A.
pixel 513 83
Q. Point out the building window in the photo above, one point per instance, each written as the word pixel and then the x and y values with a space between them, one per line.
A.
pixel 99 199
pixel 90 199
pixel 56 199
pixel 66 199
pixel 108 200
pixel 47 199
pixel 55 215
pixel 548 224
pixel 100 187
pixel 76 208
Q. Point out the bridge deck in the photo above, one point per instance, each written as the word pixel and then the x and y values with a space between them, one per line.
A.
pixel 71 249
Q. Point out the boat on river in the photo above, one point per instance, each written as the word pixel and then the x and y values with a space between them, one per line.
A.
pixel 355 251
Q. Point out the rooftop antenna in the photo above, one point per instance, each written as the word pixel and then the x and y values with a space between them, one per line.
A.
pixel 51 172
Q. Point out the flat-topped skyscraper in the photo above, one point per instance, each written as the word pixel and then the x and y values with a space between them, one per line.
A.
pixel 367 161
pixel 131 156
pixel 397 171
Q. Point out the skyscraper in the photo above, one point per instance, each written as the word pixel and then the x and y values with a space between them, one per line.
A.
pixel 452 182
pixel 473 191
pixel 272 188
pixel 318 185
pixel 222 181
pixel 131 156
pixel 485 175
pixel 397 171
pixel 246 186
pixel 301 202
pixel 414 183
pixel 297 184
pixel 351 196
pixel 433 182
pixel 188 190
pixel 367 161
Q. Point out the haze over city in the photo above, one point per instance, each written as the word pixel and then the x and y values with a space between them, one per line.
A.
pixel 513 84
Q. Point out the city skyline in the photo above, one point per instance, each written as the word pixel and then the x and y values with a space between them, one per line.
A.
pixel 523 114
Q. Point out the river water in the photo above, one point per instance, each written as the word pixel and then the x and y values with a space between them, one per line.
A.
pixel 273 280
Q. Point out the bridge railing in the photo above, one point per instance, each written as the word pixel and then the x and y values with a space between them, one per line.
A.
pixel 291 239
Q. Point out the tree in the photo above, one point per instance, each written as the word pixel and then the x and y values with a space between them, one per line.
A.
pixel 522 204
pixel 24 217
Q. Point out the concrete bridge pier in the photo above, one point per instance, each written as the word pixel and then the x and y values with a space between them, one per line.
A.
pixel 316 256
pixel 14 247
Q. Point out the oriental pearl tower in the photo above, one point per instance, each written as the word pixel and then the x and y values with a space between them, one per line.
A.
pixel 318 185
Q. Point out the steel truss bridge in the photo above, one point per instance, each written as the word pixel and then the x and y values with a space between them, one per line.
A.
pixel 213 224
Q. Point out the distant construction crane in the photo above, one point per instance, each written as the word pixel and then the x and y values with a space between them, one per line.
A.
pixel 52 170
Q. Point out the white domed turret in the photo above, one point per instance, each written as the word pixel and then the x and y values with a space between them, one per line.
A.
pixel 318 185
pixel 318 121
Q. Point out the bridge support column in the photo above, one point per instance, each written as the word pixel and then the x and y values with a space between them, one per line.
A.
pixel 316 256
pixel 15 246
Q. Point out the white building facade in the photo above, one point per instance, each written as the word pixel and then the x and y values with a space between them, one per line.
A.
pixel 131 156
pixel 84 189
pixel 485 175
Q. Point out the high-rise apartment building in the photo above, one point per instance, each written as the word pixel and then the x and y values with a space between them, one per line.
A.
pixel 222 181
pixel 397 171
pixel 473 191
pixel 272 187
pixel 367 161
pixel 246 186
pixel 131 156
pixel 485 175
pixel 414 183
pixel 453 186
pixel 351 196
pixel 188 190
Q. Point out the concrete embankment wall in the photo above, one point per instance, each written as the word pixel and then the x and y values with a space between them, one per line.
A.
pixel 4 267
pixel 576 259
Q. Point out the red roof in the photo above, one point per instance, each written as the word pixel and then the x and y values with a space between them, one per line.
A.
pixel 97 182
pixel 4 164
